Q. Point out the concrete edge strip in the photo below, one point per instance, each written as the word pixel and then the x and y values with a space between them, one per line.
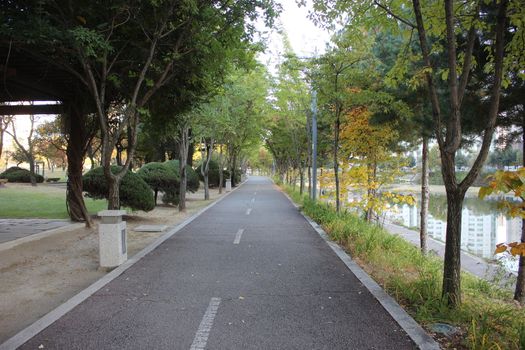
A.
pixel 38 236
pixel 45 321
pixel 418 335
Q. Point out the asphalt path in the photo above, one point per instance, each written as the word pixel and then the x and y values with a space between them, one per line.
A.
pixel 249 273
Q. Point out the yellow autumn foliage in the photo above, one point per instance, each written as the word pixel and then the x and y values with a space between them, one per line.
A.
pixel 367 164
pixel 508 182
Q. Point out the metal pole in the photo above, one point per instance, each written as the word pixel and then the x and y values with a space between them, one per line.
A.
pixel 313 190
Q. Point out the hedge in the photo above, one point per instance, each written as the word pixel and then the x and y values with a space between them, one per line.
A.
pixel 134 192
pixel 16 174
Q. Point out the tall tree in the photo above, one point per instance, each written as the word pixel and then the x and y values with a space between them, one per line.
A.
pixel 4 124
pixel 336 69
pixel 485 22
pixel 27 147
pixel 125 51
pixel 287 136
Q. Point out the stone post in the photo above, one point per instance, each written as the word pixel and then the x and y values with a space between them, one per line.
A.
pixel 112 238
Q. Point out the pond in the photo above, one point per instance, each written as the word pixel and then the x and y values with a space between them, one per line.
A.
pixel 483 226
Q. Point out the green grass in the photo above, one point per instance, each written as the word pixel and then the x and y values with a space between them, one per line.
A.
pixel 488 317
pixel 19 201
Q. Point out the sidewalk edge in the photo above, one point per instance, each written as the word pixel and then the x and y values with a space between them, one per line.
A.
pixel 38 236
pixel 418 335
pixel 45 321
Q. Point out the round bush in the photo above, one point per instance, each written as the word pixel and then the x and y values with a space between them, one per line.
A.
pixel 134 192
pixel 16 174
pixel 160 177
pixel 213 173
pixel 191 176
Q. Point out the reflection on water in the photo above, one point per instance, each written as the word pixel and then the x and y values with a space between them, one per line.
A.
pixel 483 225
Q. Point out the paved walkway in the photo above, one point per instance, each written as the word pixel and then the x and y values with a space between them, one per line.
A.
pixel 11 229
pixel 250 273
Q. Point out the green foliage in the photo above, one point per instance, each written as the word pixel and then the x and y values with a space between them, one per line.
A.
pixel 16 174
pixel 191 175
pixel 414 280
pixel 134 192
pixel 159 176
pixel 171 193
pixel 213 173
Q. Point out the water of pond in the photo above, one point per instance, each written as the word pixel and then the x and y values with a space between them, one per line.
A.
pixel 483 225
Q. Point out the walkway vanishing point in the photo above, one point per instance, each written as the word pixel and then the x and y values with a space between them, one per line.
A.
pixel 249 273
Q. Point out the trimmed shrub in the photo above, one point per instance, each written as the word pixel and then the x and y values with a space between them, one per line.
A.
pixel 16 174
pixel 191 175
pixel 134 192
pixel 213 173
pixel 160 177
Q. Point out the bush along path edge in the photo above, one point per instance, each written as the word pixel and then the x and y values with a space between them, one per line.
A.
pixel 487 319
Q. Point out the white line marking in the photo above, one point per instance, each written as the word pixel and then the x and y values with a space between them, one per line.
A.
pixel 253 200
pixel 248 211
pixel 201 337
pixel 238 236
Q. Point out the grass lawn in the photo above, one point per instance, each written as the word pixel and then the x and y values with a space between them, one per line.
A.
pixel 19 201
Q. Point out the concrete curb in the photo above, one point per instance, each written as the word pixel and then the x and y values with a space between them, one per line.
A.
pixel 38 326
pixel 38 236
pixel 418 335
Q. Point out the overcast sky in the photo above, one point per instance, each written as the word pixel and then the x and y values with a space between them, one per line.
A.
pixel 306 39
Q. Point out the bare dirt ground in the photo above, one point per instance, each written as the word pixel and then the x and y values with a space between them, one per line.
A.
pixel 38 276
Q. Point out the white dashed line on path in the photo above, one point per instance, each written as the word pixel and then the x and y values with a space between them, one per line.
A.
pixel 238 236
pixel 248 211
pixel 201 337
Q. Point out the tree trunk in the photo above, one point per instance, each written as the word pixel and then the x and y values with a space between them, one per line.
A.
pixel 336 164
pixel 424 196
pixel 233 169
pixel 75 152
pixel 32 169
pixel 301 179
pixel 452 266
pixel 91 156
pixel 1 139
pixel 519 292
pixel 119 156
pixel 309 174
pixel 371 191
pixel 221 174
pixel 205 166
pixel 183 153
pixel 113 194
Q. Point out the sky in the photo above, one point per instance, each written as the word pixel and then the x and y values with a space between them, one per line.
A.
pixel 305 37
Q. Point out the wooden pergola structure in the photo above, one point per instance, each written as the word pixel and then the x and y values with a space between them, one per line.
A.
pixel 27 77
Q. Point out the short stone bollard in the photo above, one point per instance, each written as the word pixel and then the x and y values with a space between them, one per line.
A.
pixel 228 185
pixel 112 238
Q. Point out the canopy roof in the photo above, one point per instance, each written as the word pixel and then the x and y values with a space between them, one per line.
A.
pixel 26 77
